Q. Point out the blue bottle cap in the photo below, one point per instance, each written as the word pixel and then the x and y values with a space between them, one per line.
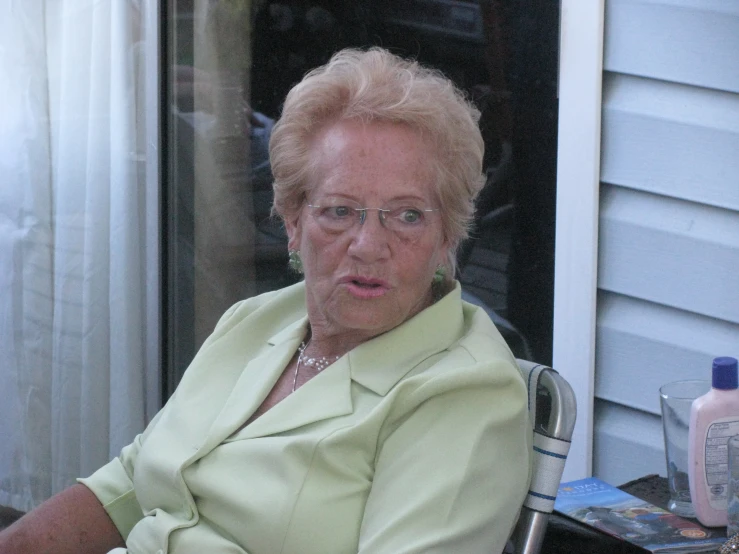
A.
pixel 724 373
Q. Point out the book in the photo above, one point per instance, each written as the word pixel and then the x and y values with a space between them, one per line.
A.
pixel 624 516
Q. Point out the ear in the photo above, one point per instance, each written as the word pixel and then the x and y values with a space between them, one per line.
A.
pixel 292 227
pixel 442 254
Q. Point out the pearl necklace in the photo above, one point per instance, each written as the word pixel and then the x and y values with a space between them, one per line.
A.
pixel 320 363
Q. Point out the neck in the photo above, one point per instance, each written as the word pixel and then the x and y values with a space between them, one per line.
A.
pixel 329 346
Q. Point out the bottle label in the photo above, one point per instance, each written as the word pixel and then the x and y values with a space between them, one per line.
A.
pixel 717 459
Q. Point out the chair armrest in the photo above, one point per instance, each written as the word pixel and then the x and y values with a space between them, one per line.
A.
pixel 552 432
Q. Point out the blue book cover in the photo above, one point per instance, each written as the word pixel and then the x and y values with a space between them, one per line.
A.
pixel 617 513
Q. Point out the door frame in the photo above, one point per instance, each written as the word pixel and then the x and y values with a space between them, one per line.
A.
pixel 576 241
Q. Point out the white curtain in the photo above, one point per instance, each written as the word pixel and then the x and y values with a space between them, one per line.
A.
pixel 73 275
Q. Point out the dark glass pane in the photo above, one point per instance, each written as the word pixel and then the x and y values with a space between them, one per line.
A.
pixel 231 63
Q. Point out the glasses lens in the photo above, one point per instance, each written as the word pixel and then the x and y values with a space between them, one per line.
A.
pixel 407 221
pixel 338 216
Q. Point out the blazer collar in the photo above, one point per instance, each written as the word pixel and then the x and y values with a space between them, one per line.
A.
pixel 377 364
pixel 380 363
pixel 294 331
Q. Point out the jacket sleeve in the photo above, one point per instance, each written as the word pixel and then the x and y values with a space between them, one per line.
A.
pixel 112 484
pixel 453 475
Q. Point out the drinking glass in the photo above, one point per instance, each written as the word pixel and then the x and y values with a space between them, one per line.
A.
pixel 733 493
pixel 676 398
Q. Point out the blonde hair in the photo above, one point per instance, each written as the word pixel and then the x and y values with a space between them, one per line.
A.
pixel 375 85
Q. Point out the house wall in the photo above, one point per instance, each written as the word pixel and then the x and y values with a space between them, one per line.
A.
pixel 668 262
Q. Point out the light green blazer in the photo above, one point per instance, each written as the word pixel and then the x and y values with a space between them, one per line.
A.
pixel 415 441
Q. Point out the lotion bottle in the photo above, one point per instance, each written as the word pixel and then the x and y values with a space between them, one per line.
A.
pixel 714 419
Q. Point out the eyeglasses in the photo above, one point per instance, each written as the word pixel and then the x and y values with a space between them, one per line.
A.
pixel 338 215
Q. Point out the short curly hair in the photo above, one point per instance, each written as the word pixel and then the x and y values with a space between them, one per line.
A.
pixel 375 85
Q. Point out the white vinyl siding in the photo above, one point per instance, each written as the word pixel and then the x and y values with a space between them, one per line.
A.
pixel 668 260
pixel 694 42
pixel 671 139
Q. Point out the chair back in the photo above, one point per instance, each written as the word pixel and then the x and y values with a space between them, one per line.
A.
pixel 552 414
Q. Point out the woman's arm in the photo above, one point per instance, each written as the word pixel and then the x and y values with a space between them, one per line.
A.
pixel 71 522
pixel 75 521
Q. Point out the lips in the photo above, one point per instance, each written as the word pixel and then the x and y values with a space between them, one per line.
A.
pixel 365 287
pixel 366 282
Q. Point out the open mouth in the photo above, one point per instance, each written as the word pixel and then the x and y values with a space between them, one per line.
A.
pixel 366 285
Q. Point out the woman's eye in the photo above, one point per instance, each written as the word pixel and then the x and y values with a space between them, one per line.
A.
pixel 409 215
pixel 340 211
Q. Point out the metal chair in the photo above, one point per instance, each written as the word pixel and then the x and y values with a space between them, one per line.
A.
pixel 552 413
pixel 513 337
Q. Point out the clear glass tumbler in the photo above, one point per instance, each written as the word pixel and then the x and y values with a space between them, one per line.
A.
pixel 676 398
pixel 733 494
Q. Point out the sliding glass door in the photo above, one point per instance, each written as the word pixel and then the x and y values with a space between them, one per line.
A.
pixel 230 64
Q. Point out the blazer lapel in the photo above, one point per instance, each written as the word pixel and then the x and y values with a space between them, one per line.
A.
pixel 325 396
pixel 377 365
pixel 254 384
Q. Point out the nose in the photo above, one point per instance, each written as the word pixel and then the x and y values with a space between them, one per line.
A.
pixel 370 240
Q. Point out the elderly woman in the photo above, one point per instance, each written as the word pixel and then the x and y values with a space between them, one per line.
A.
pixel 367 409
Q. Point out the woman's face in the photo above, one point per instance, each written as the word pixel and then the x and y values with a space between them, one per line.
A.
pixel 367 278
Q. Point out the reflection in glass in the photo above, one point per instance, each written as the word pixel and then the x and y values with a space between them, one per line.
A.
pixel 231 63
